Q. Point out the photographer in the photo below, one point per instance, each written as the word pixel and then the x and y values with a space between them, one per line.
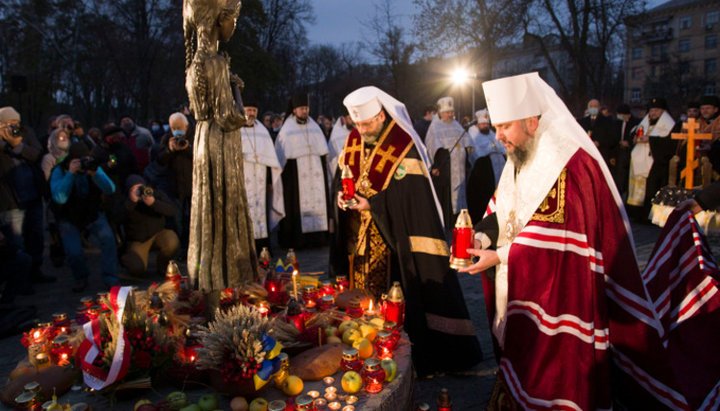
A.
pixel 76 185
pixel 176 155
pixel 146 210
pixel 21 189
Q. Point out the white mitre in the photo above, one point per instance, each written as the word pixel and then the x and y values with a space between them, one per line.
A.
pixel 446 104
pixel 513 98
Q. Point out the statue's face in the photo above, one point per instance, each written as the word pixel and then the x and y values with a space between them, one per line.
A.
pixel 227 28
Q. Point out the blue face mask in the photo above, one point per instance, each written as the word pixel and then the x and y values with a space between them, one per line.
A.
pixel 593 111
pixel 178 133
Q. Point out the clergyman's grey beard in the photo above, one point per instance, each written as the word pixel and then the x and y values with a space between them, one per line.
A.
pixel 369 138
pixel 520 155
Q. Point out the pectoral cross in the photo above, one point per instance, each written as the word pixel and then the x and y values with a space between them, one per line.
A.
pixel 350 153
pixel 690 162
pixel 385 156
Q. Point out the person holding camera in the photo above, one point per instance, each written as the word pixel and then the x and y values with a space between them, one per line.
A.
pixel 176 155
pixel 77 185
pixel 21 189
pixel 146 210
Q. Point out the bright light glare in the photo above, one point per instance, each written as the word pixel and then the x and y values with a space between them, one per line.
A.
pixel 460 76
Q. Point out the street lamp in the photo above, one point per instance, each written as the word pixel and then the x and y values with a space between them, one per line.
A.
pixel 461 76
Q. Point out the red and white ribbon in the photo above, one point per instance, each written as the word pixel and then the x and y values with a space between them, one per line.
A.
pixel 96 377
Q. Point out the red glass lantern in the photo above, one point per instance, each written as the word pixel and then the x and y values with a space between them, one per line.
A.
pixel 354 309
pixel 395 305
pixel 348 187
pixel 462 240
pixel 384 345
pixel 373 376
pixel 342 283
pixel 350 360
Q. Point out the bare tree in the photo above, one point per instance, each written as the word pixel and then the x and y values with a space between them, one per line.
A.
pixel 453 27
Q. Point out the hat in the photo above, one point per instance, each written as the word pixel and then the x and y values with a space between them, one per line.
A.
pixel 133 179
pixel 623 109
pixel 250 100
pixel 299 100
pixel 363 104
pixel 108 131
pixel 78 150
pixel 482 116
pixel 8 113
pixel 658 102
pixel 446 104
pixel 512 98
pixel 710 101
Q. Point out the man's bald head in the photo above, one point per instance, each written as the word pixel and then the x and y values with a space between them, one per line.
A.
pixel 178 121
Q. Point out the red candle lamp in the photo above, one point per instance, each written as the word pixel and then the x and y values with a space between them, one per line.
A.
pixel 392 328
pixel 263 307
pixel 351 360
pixel 295 314
pixel 462 240
pixel 277 405
pixel 61 351
pixel 395 305
pixel 305 403
pixel 354 309
pixel 310 296
pixel 81 315
pixel 87 301
pixel 373 376
pixel 348 187
pixel 342 283
pixel 101 299
pixel 384 345
pixel 172 275
pixel 327 302
pixel 264 258
pixel 327 288
pixel 443 402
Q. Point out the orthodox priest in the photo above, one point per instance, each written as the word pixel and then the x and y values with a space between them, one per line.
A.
pixel 446 144
pixel 343 126
pixel 487 157
pixel 569 309
pixel 262 176
pixel 395 232
pixel 302 151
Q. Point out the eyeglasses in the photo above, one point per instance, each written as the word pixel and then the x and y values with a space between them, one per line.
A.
pixel 367 123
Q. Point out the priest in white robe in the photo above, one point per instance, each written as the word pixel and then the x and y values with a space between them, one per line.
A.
pixel 302 151
pixel 487 159
pixel 340 132
pixel 262 177
pixel 447 143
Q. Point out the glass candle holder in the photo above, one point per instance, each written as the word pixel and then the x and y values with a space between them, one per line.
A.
pixel 342 283
pixel 392 328
pixel 373 376
pixel 304 403
pixel 328 381
pixel 350 360
pixel 327 302
pixel 334 406
pixel 354 309
pixel 314 393
pixel 263 307
pixel 61 351
pixel 87 301
pixel 384 346
pixel 277 405
pixel 327 288
pixel 395 305
pixel 321 404
pixel 310 296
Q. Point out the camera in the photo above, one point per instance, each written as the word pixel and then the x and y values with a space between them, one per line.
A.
pixel 182 142
pixel 15 130
pixel 89 163
pixel 145 191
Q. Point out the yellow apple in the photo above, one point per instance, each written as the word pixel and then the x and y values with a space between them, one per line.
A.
pixel 350 335
pixel 346 325
pixel 293 385
pixel 351 382
pixel 259 404
pixel 390 367
pixel 364 347
pixel 368 331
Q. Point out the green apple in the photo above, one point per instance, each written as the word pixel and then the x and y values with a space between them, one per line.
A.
pixel 351 382
pixel 192 407
pixel 346 325
pixel 390 367
pixel 176 400
pixel 259 404
pixel 208 402
pixel 331 331
pixel 350 335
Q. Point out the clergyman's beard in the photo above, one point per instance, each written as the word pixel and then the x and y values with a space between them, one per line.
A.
pixel 370 138
pixel 301 120
pixel 250 121
pixel 520 155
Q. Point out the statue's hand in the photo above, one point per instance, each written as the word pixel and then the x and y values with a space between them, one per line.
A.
pixel 237 81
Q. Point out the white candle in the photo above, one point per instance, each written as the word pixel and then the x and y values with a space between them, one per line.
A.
pixel 294 280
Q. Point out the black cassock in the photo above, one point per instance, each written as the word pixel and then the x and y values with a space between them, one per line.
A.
pixel 480 187
pixel 290 233
pixel 443 184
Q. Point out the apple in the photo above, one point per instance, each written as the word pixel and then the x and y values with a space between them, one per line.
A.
pixel 346 325
pixel 350 335
pixel 334 340
pixel 192 407
pixel 208 402
pixel 239 404
pixel 368 331
pixel 351 382
pixel 140 403
pixel 331 331
pixel 390 367
pixel 259 404
pixel 176 400
pixel 293 385
pixel 364 347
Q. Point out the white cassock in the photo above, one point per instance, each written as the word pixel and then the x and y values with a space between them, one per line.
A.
pixel 446 135
pixel 306 144
pixel 641 160
pixel 259 154
pixel 336 143
pixel 487 145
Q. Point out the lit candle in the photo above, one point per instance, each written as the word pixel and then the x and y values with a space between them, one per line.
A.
pixel 294 281
pixel 334 406
pixel 263 307
pixel 351 399
pixel 320 404
pixel 348 408
pixel 331 390
pixel 314 393
pixel 371 309
pixel 330 396
pixel 328 381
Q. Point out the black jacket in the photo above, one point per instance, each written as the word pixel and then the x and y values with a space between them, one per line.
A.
pixel 179 165
pixel 16 165
pixel 142 221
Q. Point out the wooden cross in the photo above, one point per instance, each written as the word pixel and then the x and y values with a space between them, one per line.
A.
pixel 690 162
pixel 350 153
pixel 385 156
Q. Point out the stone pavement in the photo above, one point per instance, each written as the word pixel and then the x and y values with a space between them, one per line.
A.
pixel 469 392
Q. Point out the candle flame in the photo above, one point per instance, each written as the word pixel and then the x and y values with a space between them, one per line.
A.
pixel 37 334
pixel 272 288
pixel 192 358
pixel 295 273
pixel 370 307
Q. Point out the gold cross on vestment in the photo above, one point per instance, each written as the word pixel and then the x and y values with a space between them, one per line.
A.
pixel 385 156
pixel 690 162
pixel 350 153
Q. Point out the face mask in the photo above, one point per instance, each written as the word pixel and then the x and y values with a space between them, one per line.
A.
pixel 593 111
pixel 178 133
pixel 155 128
